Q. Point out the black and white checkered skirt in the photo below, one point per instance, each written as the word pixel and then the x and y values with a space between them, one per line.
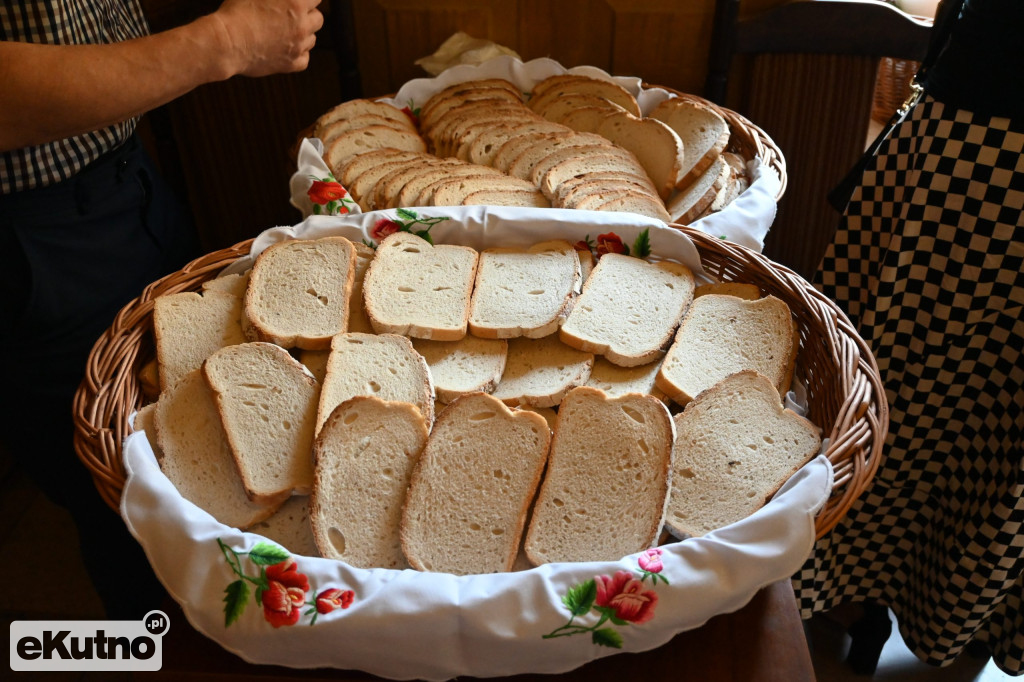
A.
pixel 927 261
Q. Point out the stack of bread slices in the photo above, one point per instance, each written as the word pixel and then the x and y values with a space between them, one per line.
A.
pixel 573 142
pixel 463 411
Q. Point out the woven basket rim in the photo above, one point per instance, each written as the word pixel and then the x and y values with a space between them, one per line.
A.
pixel 111 392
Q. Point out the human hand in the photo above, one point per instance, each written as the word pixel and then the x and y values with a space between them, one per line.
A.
pixel 264 37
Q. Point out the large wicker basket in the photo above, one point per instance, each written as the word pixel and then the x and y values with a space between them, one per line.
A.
pixel 844 390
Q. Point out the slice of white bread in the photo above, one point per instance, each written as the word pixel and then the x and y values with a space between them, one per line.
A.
pixel 573 189
pixel 524 162
pixel 626 200
pixel 365 455
pixel 589 119
pixel 509 150
pixel 616 381
pixel 575 84
pixel 358 107
pixel 195 456
pixel 333 130
pixel 419 189
pixel 688 204
pixel 507 197
pixel 381 365
pixel 354 166
pixel 189 327
pixel 486 146
pixel 233 284
pixel 267 401
pixel 362 140
pixel 629 309
pixel 703 131
pixel 357 319
pixel 144 422
pixel 454 192
pixel 657 146
pixel 470 493
pixel 607 484
pixel 363 187
pixel 299 292
pixel 289 527
pixel 415 288
pixel 468 365
pixel 524 291
pixel 720 335
pixel 551 178
pixel 556 109
pixel 540 372
pixel 735 447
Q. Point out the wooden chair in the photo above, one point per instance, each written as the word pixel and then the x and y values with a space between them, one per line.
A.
pixel 809 83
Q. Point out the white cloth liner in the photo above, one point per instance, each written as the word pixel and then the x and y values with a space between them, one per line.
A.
pixel 755 207
pixel 405 624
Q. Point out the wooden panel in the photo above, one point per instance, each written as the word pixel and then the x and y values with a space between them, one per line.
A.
pixel 816 108
pixel 572 32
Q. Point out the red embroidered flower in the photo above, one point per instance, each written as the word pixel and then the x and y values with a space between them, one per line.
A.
pixel 650 560
pixel 331 599
pixel 412 115
pixel 284 598
pixel 581 245
pixel 383 228
pixel 626 596
pixel 609 243
pixel 321 192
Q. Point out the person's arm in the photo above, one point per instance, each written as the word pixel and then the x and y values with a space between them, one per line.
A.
pixel 50 92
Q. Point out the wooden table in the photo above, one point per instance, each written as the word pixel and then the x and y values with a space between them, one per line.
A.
pixel 762 642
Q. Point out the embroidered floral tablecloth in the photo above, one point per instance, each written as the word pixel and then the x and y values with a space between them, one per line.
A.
pixel 271 606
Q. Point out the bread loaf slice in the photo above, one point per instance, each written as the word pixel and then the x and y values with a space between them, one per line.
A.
pixel 484 461
pixel 454 192
pixel 189 327
pixel 357 319
pixel 735 447
pixel 616 381
pixel 487 145
pixel 703 131
pixel 419 191
pixel 349 171
pixel 606 488
pixel 655 145
pixel 523 164
pixel 381 365
pixel 267 402
pixel 195 456
pixel 575 84
pixel 299 292
pixel 531 198
pixel 688 204
pixel 365 455
pixel 234 284
pixel 469 365
pixel 629 309
pixel 509 150
pixel 721 335
pixel 524 291
pixel 358 107
pixel 550 178
pixel 362 140
pixel 332 131
pixel 289 527
pixel 540 372
pixel 415 288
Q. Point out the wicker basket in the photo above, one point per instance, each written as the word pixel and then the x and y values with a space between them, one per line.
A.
pixel 844 389
pixel 892 86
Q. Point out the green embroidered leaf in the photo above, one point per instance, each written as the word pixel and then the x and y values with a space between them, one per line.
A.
pixel 372 245
pixel 425 235
pixel 316 209
pixel 580 597
pixel 642 244
pixel 235 596
pixel 608 637
pixel 266 554
pixel 406 214
pixel 608 613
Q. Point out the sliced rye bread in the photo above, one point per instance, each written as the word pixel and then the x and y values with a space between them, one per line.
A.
pixel 415 288
pixel 419 191
pixel 573 189
pixel 721 335
pixel 334 130
pixel 507 197
pixel 735 447
pixel 556 109
pixel 522 165
pixel 540 372
pixel 655 145
pixel 589 119
pixel 631 201
pixel 354 166
pixel 365 455
pixel 457 119
pixel 688 204
pixel 512 148
pixel 469 365
pixel 189 327
pixel 460 92
pixel 705 134
pixel 386 194
pixel 186 423
pixel 558 86
pixel 486 146
pixel 362 140
pixel 603 444
pixel 267 401
pixel 524 291
pixel 464 129
pixel 629 309
pixel 455 191
pixel 358 107
pixel 551 177
pixel 363 186
pixel 616 381
pixel 485 461
pixel 299 292
pixel 381 365
pixel 289 527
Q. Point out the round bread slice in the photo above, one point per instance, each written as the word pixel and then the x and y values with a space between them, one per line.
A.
pixel 289 527
pixel 735 447
pixel 558 108
pixel 530 198
pixel 471 491
pixel 454 192
pixel 631 201
pixel 551 177
pixel 705 134
pixel 487 145
pixel 523 164
pixel 629 309
pixel 358 107
pixel 655 145
pixel 353 167
pixel 371 137
pixel 512 148
pixel 267 401
pixel 363 186
pixel 574 84
pixel 364 457
pixel 299 290
pixel 540 372
pixel 570 190
pixel 469 365
pixel 607 484
pixel 332 131
pixel 418 191
pixel 721 335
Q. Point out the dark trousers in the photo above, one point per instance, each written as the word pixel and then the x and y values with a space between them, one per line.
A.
pixel 71 256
